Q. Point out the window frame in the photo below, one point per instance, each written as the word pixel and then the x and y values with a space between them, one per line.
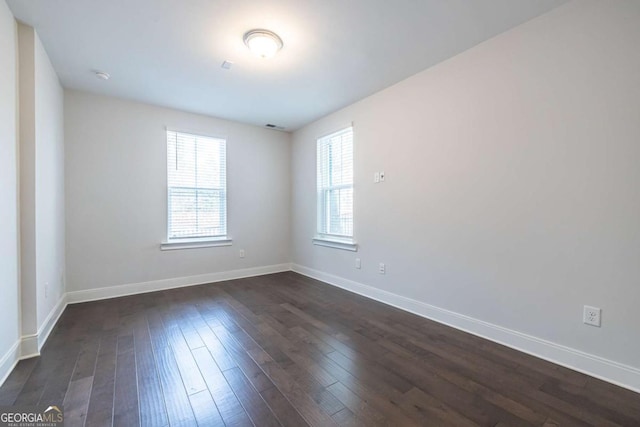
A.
pixel 191 242
pixel 326 239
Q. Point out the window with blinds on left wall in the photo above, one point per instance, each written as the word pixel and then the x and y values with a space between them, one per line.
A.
pixel 196 191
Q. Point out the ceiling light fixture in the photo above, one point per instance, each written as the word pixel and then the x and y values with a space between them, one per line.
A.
pixel 263 43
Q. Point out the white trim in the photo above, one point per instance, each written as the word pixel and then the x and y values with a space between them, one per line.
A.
pixel 51 321
pixel 172 245
pixel 589 364
pixel 9 361
pixel 177 282
pixel 347 245
pixel 30 345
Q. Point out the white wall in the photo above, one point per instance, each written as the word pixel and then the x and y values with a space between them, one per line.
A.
pixel 116 194
pixel 9 300
pixel 41 189
pixel 512 182
pixel 49 179
pixel 27 157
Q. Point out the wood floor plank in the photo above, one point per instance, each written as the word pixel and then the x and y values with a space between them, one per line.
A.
pixel 310 378
pixel 175 396
pixel 311 341
pixel 282 408
pixel 287 354
pixel 76 402
pixel 151 400
pixel 86 363
pixel 612 396
pixel 213 344
pixel 366 413
pixel 251 400
pixel 189 372
pixel 373 369
pixel 569 393
pixel 346 418
pixel 190 334
pixel 388 403
pixel 307 407
pixel 230 409
pixel 100 412
pixel 44 378
pixel 205 409
pixel 16 380
pixel 249 366
pixel 125 404
pixel 534 409
pixel 433 411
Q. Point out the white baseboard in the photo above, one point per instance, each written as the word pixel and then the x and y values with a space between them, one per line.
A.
pixel 51 320
pixel 9 361
pixel 178 282
pixel 595 366
pixel 30 345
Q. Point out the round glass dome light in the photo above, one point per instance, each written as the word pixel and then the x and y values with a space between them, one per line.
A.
pixel 263 43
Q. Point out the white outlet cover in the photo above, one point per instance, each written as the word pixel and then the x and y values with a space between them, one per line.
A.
pixel 592 316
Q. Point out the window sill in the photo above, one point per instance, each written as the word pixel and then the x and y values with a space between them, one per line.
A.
pixel 171 245
pixel 336 243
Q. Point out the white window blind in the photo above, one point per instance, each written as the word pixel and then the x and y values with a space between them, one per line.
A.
pixel 197 186
pixel 335 184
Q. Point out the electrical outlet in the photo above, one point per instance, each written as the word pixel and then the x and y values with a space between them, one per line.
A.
pixel 591 316
pixel 241 253
pixel 376 177
pixel 382 269
pixel 358 263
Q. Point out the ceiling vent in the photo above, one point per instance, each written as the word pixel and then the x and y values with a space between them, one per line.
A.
pixel 271 126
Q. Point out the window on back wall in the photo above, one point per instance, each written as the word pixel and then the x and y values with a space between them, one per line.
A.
pixel 335 187
pixel 197 187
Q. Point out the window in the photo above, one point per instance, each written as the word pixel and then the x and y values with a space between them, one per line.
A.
pixel 197 189
pixel 335 190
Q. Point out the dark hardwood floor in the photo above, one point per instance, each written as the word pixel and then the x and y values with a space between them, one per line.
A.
pixel 287 350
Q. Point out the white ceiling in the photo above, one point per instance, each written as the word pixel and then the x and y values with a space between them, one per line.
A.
pixel 169 52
